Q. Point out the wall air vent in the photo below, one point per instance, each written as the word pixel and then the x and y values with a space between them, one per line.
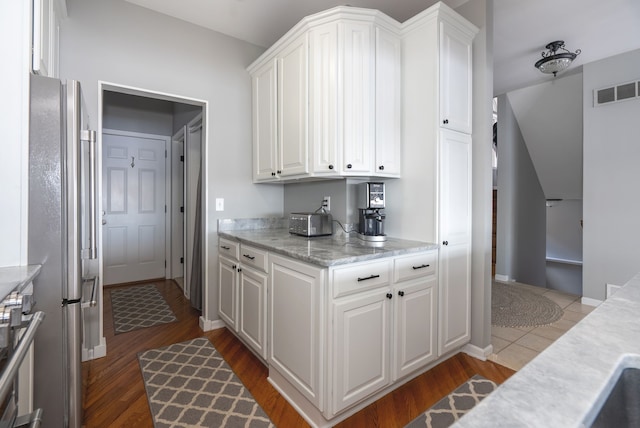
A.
pixel 612 94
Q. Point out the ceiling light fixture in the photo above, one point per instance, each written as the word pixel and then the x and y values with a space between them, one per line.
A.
pixel 553 62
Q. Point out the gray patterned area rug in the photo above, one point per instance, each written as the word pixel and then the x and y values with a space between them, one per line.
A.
pixel 455 405
pixel 190 385
pixel 513 306
pixel 139 306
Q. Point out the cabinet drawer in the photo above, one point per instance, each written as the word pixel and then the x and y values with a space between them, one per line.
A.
pixel 361 277
pixel 229 248
pixel 250 256
pixel 414 266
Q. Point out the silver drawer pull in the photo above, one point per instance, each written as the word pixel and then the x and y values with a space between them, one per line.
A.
pixel 248 256
pixel 368 277
pixel 224 247
pixel 419 267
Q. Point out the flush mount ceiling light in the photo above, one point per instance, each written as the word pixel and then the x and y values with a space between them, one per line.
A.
pixel 553 62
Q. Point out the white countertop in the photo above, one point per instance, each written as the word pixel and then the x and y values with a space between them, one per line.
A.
pixel 272 235
pixel 565 384
pixel 16 277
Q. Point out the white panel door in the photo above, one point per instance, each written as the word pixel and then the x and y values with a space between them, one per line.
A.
pixel 133 180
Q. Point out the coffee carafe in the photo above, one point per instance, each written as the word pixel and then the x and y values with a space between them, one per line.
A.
pixel 371 199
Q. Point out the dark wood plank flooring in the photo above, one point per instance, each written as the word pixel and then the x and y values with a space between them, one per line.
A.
pixel 114 394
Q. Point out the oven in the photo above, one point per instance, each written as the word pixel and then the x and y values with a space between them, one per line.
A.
pixel 18 327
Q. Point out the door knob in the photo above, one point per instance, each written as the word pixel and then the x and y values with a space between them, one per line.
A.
pixel 104 222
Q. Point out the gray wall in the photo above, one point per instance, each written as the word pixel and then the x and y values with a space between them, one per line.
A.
pixel 117 42
pixel 564 242
pixel 611 178
pixel 521 222
pixel 136 114
pixel 564 234
pixel 183 114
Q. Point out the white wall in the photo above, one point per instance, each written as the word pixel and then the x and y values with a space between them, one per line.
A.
pixel 611 201
pixel 121 43
pixel 480 13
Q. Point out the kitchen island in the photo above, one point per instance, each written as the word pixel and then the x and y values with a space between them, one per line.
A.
pixel 566 385
pixel 339 321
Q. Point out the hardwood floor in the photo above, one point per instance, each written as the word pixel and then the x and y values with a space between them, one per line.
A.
pixel 115 396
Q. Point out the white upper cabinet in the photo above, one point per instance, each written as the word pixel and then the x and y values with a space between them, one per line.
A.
pixel 46 36
pixel 280 103
pixel 455 78
pixel 292 109
pixel 388 97
pixel 265 136
pixel 338 112
pixel 358 59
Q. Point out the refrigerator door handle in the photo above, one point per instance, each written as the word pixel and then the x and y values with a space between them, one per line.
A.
pixel 90 136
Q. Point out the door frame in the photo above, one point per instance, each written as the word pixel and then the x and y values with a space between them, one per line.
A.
pixel 167 185
pixel 161 95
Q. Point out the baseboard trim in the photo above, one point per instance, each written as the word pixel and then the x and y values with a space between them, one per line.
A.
pixel 208 325
pixel 590 302
pixel 477 352
pixel 96 352
pixel 504 278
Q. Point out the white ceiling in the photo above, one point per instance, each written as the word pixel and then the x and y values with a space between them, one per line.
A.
pixel 600 28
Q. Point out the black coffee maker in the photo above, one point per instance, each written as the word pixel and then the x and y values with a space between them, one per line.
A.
pixel 370 206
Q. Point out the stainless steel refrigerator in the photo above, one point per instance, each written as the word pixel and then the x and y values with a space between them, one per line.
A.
pixel 62 238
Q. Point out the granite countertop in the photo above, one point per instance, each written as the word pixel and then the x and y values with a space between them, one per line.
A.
pixel 16 277
pixel 567 383
pixel 322 250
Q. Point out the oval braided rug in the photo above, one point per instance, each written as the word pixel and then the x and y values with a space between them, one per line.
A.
pixel 513 306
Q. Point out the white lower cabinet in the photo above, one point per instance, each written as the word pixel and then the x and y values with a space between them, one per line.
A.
pixel 415 325
pixel 334 337
pixel 227 290
pixel 296 325
pixel 384 324
pixel 242 293
pixel 361 343
pixel 252 326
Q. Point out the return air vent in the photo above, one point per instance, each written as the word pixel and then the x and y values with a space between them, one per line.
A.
pixel 612 94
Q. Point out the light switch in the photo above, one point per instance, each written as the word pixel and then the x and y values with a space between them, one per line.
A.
pixel 219 204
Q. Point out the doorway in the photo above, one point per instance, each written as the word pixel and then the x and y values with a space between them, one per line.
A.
pixel 134 125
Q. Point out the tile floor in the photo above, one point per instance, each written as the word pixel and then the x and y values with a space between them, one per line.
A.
pixel 515 347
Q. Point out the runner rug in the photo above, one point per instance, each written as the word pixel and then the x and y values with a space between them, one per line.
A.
pixel 190 385
pixel 139 306
pixel 455 405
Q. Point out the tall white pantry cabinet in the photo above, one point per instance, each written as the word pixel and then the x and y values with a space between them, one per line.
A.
pixel 436 77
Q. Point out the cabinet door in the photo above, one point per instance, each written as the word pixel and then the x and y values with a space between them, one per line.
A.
pixel 323 93
pixel 265 137
pixel 455 79
pixel 415 325
pixel 252 325
pixel 292 108
pixel 358 103
pixel 295 325
pixel 45 38
pixel 387 158
pixel 227 291
pixel 361 344
pixel 455 237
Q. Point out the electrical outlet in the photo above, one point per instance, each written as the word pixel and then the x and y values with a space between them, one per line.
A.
pixel 219 204
pixel 326 203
